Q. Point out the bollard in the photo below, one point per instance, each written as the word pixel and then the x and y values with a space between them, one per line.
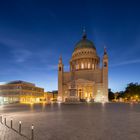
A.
pixel 1 119
pixel 32 132
pixel 5 121
pixel 19 127
pixel 11 123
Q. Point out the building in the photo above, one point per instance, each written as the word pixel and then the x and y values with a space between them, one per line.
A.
pixel 51 96
pixel 20 91
pixel 86 80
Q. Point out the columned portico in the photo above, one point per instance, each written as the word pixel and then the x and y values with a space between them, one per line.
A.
pixel 84 89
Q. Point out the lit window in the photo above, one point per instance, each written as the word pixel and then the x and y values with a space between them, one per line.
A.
pixel 82 66
pixel 88 65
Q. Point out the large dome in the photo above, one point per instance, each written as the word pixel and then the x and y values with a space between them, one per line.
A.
pixel 84 43
pixel 84 55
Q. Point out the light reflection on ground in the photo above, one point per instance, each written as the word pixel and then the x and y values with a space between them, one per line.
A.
pixel 93 121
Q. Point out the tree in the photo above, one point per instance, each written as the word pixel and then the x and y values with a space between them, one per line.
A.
pixel 111 95
pixel 132 91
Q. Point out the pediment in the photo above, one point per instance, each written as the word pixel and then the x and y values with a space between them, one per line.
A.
pixel 83 81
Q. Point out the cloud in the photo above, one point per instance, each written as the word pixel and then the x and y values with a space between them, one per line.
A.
pixel 17 49
pixel 126 63
pixel 21 55
pixel 12 43
pixel 55 67
pixel 52 67
pixel 9 71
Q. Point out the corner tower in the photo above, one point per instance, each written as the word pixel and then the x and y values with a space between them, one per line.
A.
pixel 105 76
pixel 60 79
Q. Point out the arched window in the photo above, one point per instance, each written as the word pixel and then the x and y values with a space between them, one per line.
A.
pixel 88 65
pixel 82 65
pixel 105 64
pixel 59 68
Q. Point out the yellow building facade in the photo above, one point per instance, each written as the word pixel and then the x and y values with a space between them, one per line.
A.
pixel 86 80
pixel 21 91
pixel 51 96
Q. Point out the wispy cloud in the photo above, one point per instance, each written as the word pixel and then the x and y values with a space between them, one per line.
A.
pixel 52 67
pixel 12 43
pixel 22 51
pixel 55 67
pixel 21 55
pixel 9 71
pixel 126 63
pixel 48 67
pixel 17 49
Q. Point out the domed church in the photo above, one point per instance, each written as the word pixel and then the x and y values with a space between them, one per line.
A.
pixel 86 80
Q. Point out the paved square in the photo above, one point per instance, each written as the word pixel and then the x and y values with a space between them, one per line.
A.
pixel 8 134
pixel 112 121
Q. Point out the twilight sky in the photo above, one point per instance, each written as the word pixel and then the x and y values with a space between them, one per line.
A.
pixel 34 33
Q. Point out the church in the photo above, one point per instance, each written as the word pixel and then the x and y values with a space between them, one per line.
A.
pixel 86 80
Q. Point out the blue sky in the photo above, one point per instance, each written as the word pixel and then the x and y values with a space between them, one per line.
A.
pixel 34 33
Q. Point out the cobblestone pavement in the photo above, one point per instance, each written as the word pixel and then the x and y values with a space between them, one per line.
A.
pixel 112 121
pixel 9 134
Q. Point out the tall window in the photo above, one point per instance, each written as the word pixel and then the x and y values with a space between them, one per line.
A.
pixel 77 66
pixel 82 65
pixel 59 68
pixel 105 64
pixel 88 65
pixel 93 66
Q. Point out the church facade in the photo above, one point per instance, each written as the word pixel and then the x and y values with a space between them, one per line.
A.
pixel 86 80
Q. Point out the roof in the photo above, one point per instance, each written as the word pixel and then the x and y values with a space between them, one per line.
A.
pixel 84 43
pixel 20 82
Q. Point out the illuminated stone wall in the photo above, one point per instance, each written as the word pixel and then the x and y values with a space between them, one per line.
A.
pixel 89 78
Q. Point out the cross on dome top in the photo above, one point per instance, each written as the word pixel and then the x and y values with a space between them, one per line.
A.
pixel 84 33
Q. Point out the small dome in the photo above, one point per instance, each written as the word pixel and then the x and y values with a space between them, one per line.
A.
pixel 84 43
